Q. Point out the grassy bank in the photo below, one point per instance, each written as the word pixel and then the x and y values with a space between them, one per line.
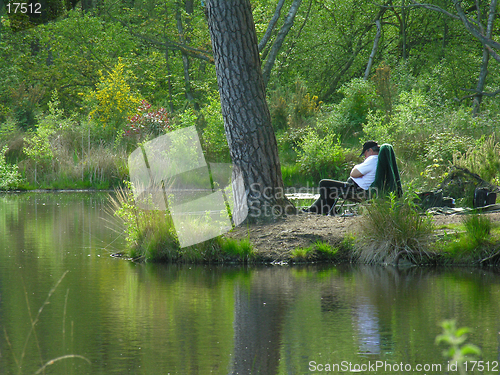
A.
pixel 389 231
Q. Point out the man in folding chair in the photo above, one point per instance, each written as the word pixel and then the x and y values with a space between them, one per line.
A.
pixel 363 177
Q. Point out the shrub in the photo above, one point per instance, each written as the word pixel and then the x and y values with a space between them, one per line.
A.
pixel 9 129
pixel 438 153
pixel 26 102
pixel 304 107
pixel 278 109
pixel 321 157
pixel 9 174
pixel 112 101
pixel 295 109
pixel 384 86
pixel 148 122
pixel 348 117
pixel 391 226
pixel 411 117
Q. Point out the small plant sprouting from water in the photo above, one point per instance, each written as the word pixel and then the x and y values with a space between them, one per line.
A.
pixel 458 352
pixel 19 361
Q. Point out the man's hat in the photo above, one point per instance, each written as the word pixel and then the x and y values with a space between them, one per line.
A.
pixel 367 145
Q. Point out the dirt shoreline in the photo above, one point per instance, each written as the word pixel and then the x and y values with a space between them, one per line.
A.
pixel 274 242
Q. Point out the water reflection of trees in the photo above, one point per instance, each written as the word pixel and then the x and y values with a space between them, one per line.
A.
pixel 260 309
pixel 200 319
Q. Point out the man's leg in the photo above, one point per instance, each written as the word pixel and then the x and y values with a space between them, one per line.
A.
pixel 329 190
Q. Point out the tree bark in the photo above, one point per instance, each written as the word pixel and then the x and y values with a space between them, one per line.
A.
pixel 247 121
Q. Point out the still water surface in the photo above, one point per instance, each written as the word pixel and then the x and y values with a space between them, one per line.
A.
pixel 127 318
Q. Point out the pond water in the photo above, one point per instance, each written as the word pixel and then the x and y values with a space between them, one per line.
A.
pixel 56 274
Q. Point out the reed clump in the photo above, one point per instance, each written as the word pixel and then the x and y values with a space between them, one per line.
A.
pixel 151 236
pixel 393 227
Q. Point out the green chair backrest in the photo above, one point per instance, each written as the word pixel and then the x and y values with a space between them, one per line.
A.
pixel 387 174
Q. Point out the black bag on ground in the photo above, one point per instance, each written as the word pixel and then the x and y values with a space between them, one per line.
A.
pixel 484 197
pixel 435 198
pixel 431 199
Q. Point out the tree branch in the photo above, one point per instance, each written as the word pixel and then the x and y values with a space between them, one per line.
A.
pixel 436 9
pixel 466 22
pixel 476 93
pixel 280 38
pixel 271 25
pixel 190 51
pixel 374 49
pixel 473 30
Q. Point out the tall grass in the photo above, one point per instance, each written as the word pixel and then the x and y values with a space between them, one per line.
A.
pixel 392 226
pixel 100 167
pixel 473 245
pixel 319 251
pixel 478 228
pixel 151 236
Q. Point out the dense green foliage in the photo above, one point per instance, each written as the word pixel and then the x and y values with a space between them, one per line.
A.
pixel 72 100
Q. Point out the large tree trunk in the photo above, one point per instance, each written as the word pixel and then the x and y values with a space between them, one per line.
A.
pixel 247 122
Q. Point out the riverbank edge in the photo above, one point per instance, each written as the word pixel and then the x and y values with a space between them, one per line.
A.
pixel 282 239
pixel 277 243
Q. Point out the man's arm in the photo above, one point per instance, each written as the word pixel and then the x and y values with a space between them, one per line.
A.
pixel 355 173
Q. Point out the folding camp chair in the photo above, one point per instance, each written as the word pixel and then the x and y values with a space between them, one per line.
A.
pixel 387 180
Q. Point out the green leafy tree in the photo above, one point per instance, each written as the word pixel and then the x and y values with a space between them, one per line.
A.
pixel 113 100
